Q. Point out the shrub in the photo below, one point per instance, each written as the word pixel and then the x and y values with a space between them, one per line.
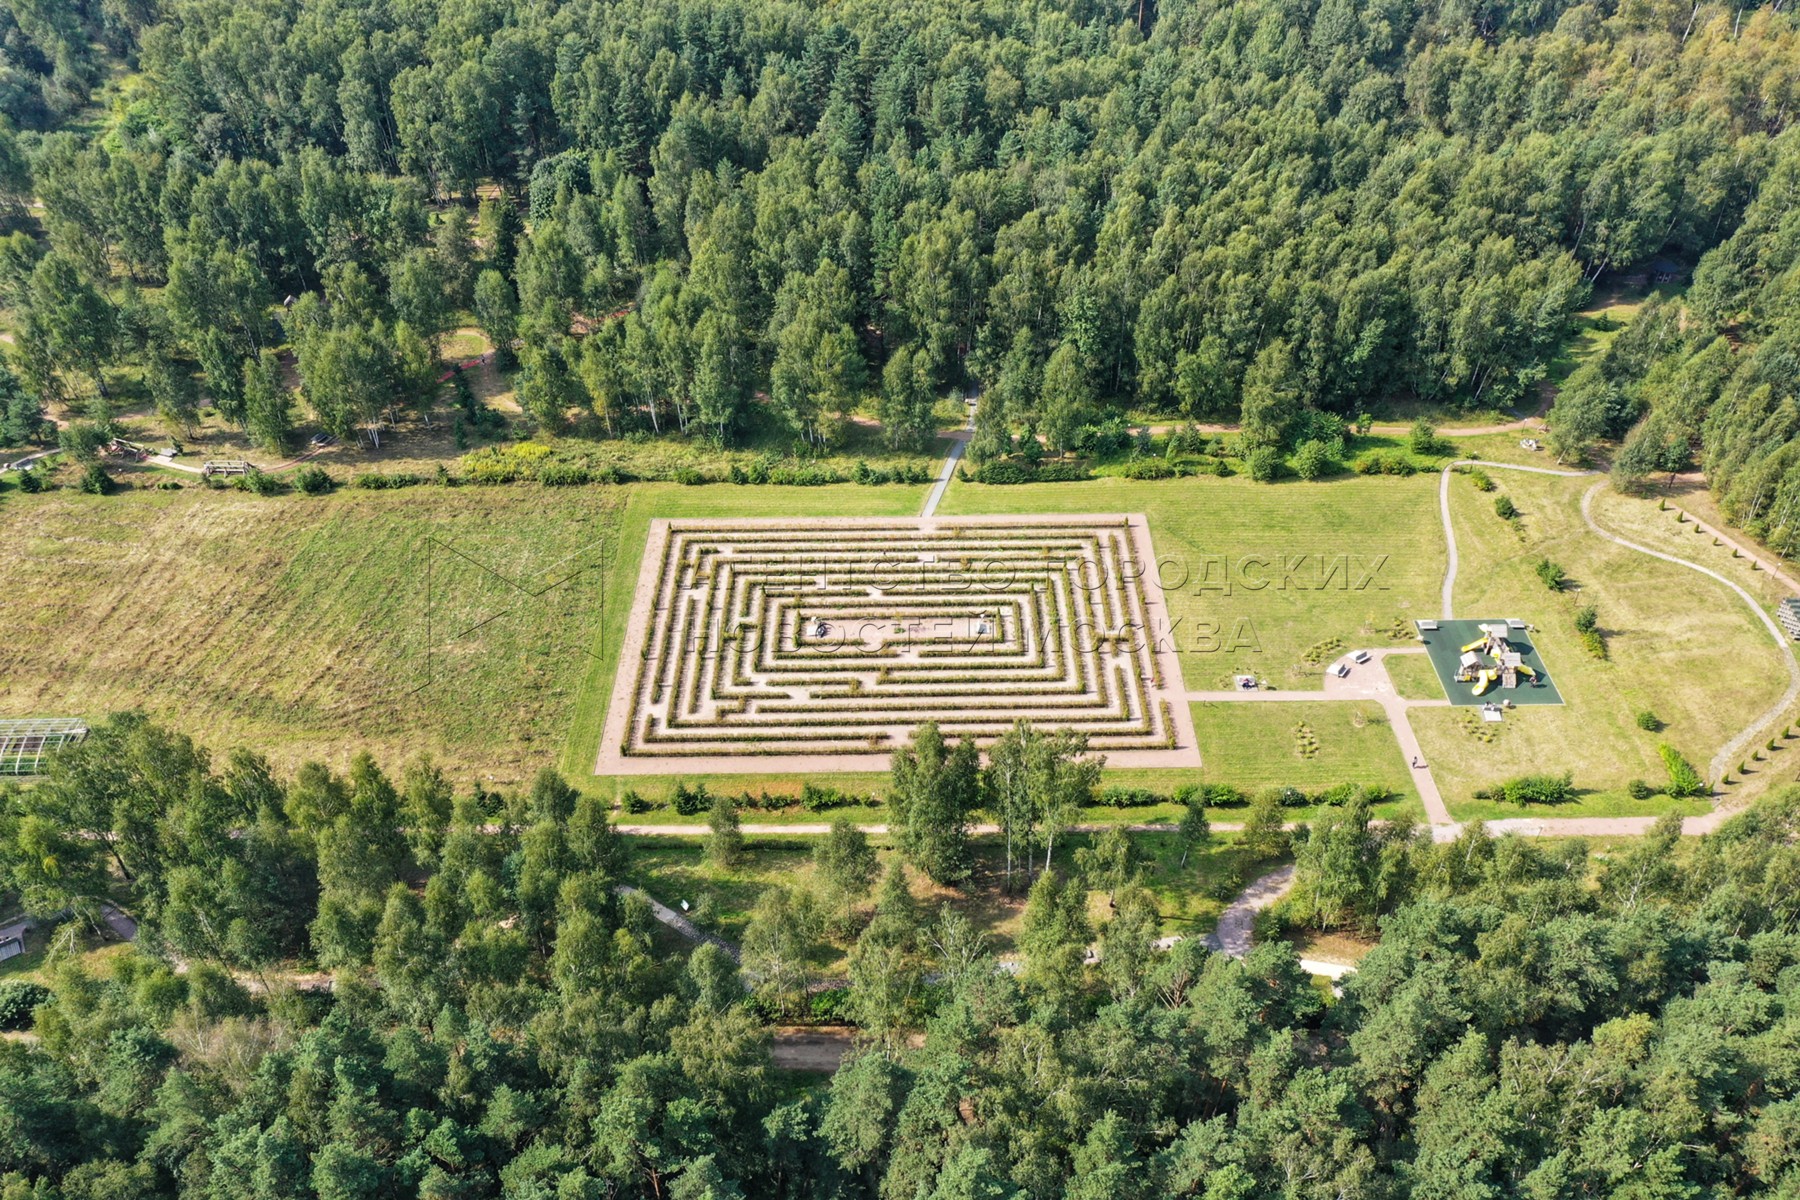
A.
pixel 94 480
pixel 375 481
pixel 1637 789
pixel 690 476
pixel 691 800
pixel 1549 574
pixel 1312 460
pixel 1213 795
pixel 312 481
pixel 830 1005
pixel 1481 480
pixel 1422 439
pixel 1386 462
pixel 818 797
pixel 1536 789
pixel 1147 468
pixel 1264 464
pixel 1649 722
pixel 1594 644
pixel 18 997
pixel 1505 509
pixel 1129 797
pixel 31 480
pixel 260 483
pixel 1587 618
pixel 1684 781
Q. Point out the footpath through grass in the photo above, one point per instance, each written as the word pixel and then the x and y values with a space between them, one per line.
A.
pixel 1680 646
pixel 721 899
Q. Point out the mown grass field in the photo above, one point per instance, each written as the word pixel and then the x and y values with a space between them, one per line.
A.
pixel 1681 646
pixel 1268 630
pixel 1413 677
pixel 1257 745
pixel 423 620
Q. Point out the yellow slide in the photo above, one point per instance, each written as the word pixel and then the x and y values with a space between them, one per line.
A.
pixel 1527 672
pixel 1477 644
pixel 1485 681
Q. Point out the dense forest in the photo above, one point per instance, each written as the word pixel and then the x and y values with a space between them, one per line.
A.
pixel 698 215
pixel 1537 1021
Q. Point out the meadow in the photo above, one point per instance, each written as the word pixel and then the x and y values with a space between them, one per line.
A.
pixel 1680 647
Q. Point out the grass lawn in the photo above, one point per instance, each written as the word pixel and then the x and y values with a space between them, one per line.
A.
pixel 1639 519
pixel 1681 646
pixel 1252 746
pixel 1270 629
pixel 1413 677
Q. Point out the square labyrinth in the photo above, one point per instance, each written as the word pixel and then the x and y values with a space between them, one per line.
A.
pixel 821 645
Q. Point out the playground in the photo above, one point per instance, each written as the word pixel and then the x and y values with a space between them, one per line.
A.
pixel 1486 662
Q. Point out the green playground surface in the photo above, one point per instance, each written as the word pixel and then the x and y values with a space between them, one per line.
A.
pixel 1444 646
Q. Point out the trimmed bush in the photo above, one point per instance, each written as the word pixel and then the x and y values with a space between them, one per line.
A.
pixel 1149 468
pixel 1595 644
pixel 1313 459
pixel 1549 574
pixel 1129 797
pixel 1649 722
pixel 1587 618
pixel 375 481
pixel 260 483
pixel 1684 781
pixel 1637 789
pixel 1264 464
pixel 1481 480
pixel 1533 789
pixel 1504 508
pixel 1422 439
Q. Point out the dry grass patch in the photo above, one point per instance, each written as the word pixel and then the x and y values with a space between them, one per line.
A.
pixel 402 621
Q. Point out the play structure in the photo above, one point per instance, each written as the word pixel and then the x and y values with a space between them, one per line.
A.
pixel 1490 659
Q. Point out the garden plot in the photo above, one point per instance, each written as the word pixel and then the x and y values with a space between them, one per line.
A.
pixel 821 645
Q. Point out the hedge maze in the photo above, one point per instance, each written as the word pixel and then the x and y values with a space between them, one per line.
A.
pixel 838 637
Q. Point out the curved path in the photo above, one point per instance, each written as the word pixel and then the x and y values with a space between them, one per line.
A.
pixel 1735 748
pixel 1238 921
pixel 1721 762
pixel 1449 606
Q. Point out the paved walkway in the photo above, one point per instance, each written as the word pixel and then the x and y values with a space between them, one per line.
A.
pixel 1238 921
pixel 676 921
pixel 959 441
